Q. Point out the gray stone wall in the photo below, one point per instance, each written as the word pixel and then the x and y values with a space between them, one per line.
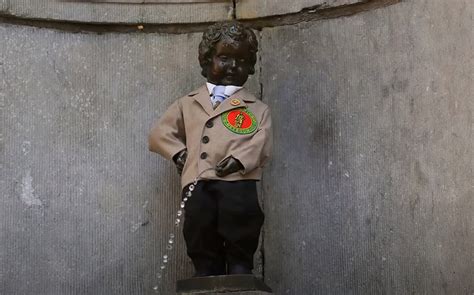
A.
pixel 116 12
pixel 86 209
pixel 370 189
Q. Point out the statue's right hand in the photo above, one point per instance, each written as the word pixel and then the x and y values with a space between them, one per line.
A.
pixel 180 159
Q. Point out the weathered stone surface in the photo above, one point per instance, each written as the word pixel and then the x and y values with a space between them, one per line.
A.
pixel 120 13
pixel 370 189
pixel 246 9
pixel 3 5
pixel 85 207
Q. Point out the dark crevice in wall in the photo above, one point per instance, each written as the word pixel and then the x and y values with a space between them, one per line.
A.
pixel 234 9
pixel 260 83
pixel 76 27
pixel 317 13
pixel 306 15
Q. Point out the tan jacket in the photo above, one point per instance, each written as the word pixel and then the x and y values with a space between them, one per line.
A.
pixel 239 127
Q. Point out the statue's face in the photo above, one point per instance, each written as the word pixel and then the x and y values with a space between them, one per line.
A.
pixel 230 64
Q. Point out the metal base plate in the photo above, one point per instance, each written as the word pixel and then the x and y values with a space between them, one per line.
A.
pixel 221 284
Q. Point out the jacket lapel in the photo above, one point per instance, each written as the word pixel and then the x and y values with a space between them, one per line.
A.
pixel 202 97
pixel 244 95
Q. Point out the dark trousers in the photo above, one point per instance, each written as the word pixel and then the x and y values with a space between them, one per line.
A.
pixel 222 224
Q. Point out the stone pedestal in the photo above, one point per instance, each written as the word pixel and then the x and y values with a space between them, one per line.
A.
pixel 237 284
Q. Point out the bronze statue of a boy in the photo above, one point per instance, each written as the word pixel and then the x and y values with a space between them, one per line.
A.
pixel 222 134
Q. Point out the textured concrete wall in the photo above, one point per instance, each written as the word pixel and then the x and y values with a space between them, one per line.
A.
pixel 85 208
pixel 84 11
pixel 370 190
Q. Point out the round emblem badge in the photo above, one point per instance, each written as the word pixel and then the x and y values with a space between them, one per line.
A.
pixel 235 102
pixel 240 121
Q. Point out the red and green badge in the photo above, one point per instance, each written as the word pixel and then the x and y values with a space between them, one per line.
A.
pixel 240 121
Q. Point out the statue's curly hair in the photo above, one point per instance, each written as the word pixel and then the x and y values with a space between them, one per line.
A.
pixel 230 31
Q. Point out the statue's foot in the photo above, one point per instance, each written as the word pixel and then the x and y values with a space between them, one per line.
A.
pixel 238 269
pixel 207 273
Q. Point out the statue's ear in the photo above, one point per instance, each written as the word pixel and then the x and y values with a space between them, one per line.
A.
pixel 202 59
pixel 252 70
pixel 204 63
pixel 204 72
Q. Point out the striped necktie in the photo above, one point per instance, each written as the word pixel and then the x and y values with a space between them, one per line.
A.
pixel 218 95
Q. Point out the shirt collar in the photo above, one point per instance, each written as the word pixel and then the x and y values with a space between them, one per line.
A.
pixel 229 89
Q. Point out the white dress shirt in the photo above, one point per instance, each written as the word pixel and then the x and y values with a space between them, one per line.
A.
pixel 229 89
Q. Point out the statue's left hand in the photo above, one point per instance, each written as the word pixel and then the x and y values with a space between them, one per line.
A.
pixel 228 166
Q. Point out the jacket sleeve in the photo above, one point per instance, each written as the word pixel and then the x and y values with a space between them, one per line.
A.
pixel 167 136
pixel 257 152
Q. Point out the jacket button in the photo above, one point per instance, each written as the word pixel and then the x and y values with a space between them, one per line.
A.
pixel 205 139
pixel 209 124
pixel 203 155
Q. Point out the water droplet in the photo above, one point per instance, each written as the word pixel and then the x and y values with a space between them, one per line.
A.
pixel 177 221
pixel 171 236
pixel 155 288
pixel 185 199
pixel 191 187
pixel 169 247
pixel 180 212
pixel 182 205
pixel 158 276
pixel 195 181
pixel 165 261
pixel 165 256
pixel 170 241
pixel 162 267
pixel 189 194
